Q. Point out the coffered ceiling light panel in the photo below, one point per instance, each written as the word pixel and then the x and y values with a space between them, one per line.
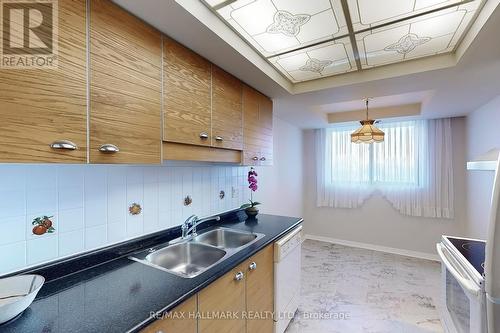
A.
pixel 315 62
pixel 372 13
pixel 430 34
pixel 276 26
pixel 312 39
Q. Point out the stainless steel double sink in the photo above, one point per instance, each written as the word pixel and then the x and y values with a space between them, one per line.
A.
pixel 191 257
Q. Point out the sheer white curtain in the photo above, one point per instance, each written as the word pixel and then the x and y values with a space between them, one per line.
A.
pixel 412 168
pixel 343 173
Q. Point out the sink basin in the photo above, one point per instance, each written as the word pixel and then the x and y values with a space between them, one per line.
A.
pixel 190 257
pixel 186 259
pixel 225 238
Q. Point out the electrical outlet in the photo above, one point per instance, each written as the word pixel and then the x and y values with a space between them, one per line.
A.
pixel 234 192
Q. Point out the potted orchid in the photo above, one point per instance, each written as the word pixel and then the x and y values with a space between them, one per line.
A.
pixel 250 209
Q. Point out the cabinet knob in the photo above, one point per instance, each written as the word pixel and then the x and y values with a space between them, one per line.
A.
pixel 109 148
pixel 262 158
pixel 255 158
pixel 252 266
pixel 219 138
pixel 63 145
pixel 239 276
pixel 203 135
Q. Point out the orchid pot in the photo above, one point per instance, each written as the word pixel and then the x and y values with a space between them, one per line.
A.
pixel 251 208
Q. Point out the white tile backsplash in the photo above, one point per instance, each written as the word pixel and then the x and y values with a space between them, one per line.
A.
pixel 13 202
pixel 71 219
pixel 89 204
pixel 96 236
pixel 71 242
pixel 13 256
pixel 13 229
pixel 42 249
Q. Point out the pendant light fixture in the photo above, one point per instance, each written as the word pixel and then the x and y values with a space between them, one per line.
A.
pixel 368 132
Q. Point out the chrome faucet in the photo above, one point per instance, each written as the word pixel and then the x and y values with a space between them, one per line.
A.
pixel 189 226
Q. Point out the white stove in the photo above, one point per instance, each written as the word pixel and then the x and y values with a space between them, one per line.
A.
pixel 463 286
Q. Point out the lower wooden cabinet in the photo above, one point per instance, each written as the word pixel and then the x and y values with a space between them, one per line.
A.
pixel 221 305
pixel 260 291
pixel 241 301
pixel 181 319
pixel 247 293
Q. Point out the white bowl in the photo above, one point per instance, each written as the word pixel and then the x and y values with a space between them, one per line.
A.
pixel 17 293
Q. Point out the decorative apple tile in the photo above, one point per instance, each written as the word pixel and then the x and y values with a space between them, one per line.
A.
pixel 43 225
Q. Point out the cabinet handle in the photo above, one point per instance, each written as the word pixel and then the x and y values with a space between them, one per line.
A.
pixel 255 158
pixel 203 135
pixel 109 148
pixel 239 276
pixel 63 145
pixel 219 138
pixel 262 158
pixel 252 266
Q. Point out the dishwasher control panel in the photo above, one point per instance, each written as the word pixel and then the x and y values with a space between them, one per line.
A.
pixel 286 244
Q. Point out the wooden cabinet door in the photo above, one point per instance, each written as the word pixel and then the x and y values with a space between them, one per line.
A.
pixel 260 291
pixel 187 84
pixel 224 296
pixel 180 319
pixel 125 86
pixel 266 130
pixel 251 126
pixel 257 128
pixel 41 106
pixel 227 126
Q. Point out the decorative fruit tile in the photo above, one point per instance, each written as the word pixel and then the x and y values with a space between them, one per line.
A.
pixel 40 225
pixel 134 208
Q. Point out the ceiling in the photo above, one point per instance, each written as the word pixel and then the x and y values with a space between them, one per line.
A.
pixel 308 40
pixel 443 85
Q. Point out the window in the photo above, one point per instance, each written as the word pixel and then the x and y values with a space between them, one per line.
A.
pixel 412 168
pixel 394 162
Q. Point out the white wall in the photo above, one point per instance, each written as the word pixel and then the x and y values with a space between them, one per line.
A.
pixel 281 188
pixel 89 203
pixel 482 135
pixel 377 222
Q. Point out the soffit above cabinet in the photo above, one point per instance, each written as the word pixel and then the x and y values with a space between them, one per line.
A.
pixel 308 40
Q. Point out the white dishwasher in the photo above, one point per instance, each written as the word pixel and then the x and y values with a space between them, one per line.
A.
pixel 287 259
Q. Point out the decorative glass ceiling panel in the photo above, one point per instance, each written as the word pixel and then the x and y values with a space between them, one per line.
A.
pixel 371 13
pixel 315 62
pixel 312 39
pixel 276 26
pixel 426 35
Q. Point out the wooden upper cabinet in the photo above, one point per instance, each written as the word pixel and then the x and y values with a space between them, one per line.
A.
pixel 225 295
pixel 125 87
pixel 266 130
pixel 187 84
pixel 41 106
pixel 180 319
pixel 260 291
pixel 257 128
pixel 227 115
pixel 251 126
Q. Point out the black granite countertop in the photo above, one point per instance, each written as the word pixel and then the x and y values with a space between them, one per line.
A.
pixel 119 295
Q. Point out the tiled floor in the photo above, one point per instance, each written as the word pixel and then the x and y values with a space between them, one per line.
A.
pixel 357 290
